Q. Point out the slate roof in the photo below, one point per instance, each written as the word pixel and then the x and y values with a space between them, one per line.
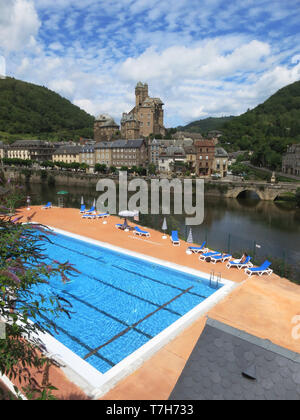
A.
pixel 221 355
pixel 120 144
pixel 68 150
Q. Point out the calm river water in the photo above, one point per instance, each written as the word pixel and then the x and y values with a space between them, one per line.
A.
pixel 264 229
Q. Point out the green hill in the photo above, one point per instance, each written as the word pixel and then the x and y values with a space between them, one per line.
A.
pixel 268 128
pixel 28 110
pixel 205 125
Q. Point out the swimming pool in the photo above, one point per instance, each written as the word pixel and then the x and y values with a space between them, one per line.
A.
pixel 120 302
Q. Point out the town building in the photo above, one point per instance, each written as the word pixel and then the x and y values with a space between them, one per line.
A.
pixel 87 155
pixel 2 150
pixel 220 163
pixel 191 157
pixel 291 160
pixel 67 154
pixel 186 135
pixel 171 159
pixel 105 128
pixel 121 153
pixel 146 118
pixel 35 150
pixel 205 155
pixel 103 153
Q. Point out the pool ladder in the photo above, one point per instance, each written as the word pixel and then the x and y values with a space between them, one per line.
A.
pixel 215 279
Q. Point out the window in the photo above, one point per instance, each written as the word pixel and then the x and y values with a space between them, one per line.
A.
pixel 206 157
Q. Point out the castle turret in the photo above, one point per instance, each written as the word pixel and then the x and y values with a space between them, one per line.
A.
pixel 141 93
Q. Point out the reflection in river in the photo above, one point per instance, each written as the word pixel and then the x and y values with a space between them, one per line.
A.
pixel 261 227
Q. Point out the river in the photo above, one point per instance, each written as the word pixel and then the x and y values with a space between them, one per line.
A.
pixel 263 229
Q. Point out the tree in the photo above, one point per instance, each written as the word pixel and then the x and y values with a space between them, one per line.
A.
pixel 152 169
pixel 23 268
pixel 102 168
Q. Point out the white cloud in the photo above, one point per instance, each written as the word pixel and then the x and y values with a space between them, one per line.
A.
pixel 19 25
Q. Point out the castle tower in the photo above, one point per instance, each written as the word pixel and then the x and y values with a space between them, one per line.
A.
pixel 141 93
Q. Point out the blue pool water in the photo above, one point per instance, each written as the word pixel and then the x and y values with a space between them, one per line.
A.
pixel 112 292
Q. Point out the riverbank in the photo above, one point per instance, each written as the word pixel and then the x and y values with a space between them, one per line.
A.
pixel 262 306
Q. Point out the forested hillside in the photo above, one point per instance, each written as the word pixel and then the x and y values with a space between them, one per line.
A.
pixel 268 128
pixel 35 111
pixel 205 125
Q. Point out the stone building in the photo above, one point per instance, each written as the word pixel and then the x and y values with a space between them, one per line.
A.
pixel 87 155
pixel 205 155
pixel 120 153
pixel 220 164
pixel 147 117
pixel 103 153
pixel 35 150
pixel 191 157
pixel 171 159
pixel 291 160
pixel 67 154
pixel 2 150
pixel 105 128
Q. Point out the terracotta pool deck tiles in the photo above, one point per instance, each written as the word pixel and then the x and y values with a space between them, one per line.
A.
pixel 262 306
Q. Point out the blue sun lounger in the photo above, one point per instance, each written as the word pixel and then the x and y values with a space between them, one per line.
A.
pixel 263 269
pixel 89 216
pixel 82 208
pixel 102 215
pixel 174 238
pixel 223 257
pixel 239 264
pixel 208 255
pixel 47 206
pixel 198 249
pixel 141 232
pixel 92 209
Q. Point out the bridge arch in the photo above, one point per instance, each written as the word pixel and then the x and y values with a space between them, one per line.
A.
pixel 256 192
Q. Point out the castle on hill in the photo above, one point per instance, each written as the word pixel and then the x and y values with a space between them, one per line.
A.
pixel 146 118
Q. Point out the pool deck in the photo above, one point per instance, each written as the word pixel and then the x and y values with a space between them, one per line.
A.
pixel 262 306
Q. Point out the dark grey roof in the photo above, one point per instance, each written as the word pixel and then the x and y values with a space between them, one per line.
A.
pixel 222 358
pixel 27 143
pixel 68 150
pixel 120 144
pixel 220 152
pixel 88 148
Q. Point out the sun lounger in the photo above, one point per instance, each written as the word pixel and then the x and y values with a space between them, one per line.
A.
pixel 174 238
pixel 89 216
pixel 217 258
pixel 263 269
pixel 239 264
pixel 141 232
pixel 102 216
pixel 208 255
pixel 47 206
pixel 92 209
pixel 198 249
pixel 82 209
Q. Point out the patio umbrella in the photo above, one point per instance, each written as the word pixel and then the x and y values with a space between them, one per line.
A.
pixel 164 227
pixel 82 201
pixel 94 203
pixel 190 237
pixel 127 213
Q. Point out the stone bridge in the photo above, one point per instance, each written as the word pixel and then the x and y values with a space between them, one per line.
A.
pixel 265 191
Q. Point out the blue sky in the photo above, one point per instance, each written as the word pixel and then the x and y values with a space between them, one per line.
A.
pixel 201 57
